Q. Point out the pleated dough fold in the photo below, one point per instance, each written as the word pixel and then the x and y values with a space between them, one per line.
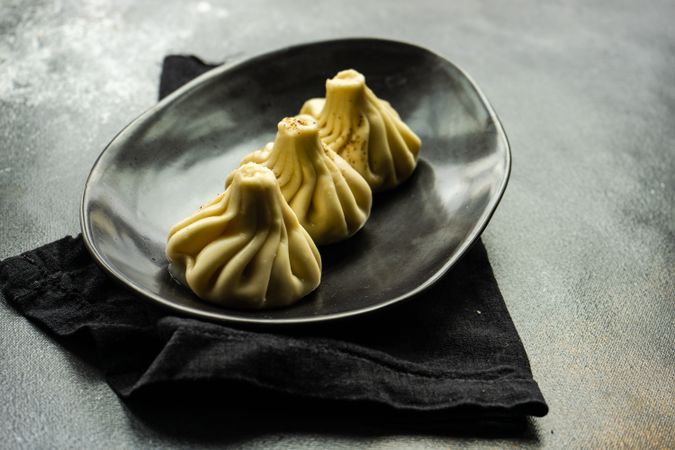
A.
pixel 365 130
pixel 246 249
pixel 330 198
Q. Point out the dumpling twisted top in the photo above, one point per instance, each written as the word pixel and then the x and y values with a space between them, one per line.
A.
pixel 330 198
pixel 366 131
pixel 245 248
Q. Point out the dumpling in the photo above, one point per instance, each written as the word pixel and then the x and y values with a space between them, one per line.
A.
pixel 246 249
pixel 364 130
pixel 330 198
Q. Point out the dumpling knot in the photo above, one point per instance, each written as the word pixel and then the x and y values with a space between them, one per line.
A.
pixel 365 130
pixel 246 248
pixel 331 199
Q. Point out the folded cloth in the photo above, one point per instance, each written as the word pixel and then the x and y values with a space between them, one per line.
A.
pixel 451 349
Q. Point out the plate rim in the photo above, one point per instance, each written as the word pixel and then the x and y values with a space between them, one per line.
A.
pixel 227 318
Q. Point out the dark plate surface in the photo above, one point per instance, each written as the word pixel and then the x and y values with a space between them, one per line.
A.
pixel 176 156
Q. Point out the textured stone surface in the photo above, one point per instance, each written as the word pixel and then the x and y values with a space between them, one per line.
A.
pixel 583 245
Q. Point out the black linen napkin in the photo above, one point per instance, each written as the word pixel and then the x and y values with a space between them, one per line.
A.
pixel 452 350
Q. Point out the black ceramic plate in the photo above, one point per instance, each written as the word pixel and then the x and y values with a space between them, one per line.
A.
pixel 176 156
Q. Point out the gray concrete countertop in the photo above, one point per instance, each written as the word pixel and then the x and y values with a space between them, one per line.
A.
pixel 583 244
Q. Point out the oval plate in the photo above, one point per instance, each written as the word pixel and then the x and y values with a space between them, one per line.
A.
pixel 176 156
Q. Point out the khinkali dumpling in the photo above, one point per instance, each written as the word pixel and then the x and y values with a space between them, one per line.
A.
pixel 330 198
pixel 366 131
pixel 245 248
